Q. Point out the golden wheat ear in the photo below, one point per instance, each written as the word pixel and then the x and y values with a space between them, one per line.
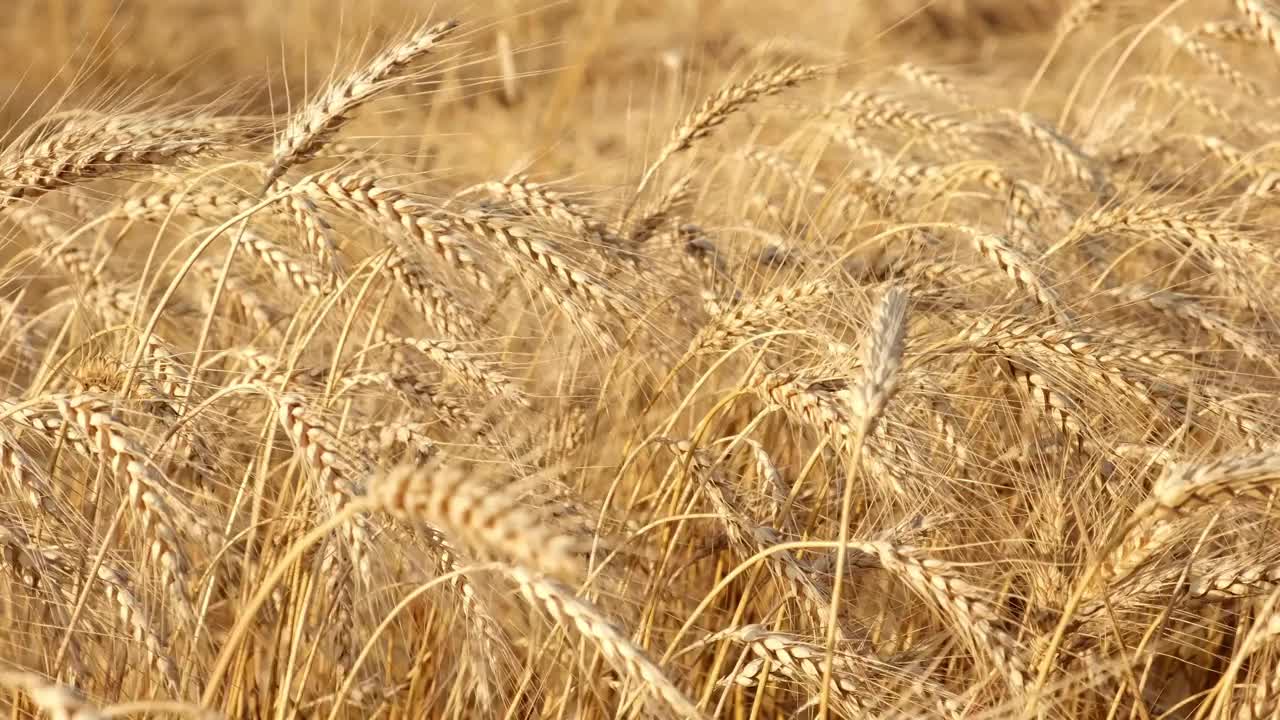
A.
pixel 1264 19
pixel 97 147
pixel 320 119
pixel 717 109
pixel 560 603
pixel 480 515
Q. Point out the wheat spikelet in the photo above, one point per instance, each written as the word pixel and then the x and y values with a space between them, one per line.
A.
pixel 167 369
pixel 39 223
pixel 317 233
pixel 134 617
pixel 934 81
pixel 1016 266
pixel 364 197
pixel 19 328
pixel 1050 400
pixel 859 143
pixel 1213 61
pixel 95 148
pixel 1079 14
pixel 29 565
pixel 314 124
pixel 462 365
pixel 215 204
pixel 884 344
pixel 669 204
pixel 757 316
pixel 1186 307
pixel 1266 699
pixel 77 262
pixel 481 515
pixel 284 265
pixel 30 480
pixel 804 662
pixel 1181 90
pixel 854 680
pixel 1187 486
pixel 105 435
pixel 1092 355
pixel 1264 19
pixel 716 109
pixel 749 537
pixel 977 617
pixel 872 110
pixel 50 424
pixel 771 159
pixel 1029 203
pixel 264 369
pixel 413 390
pixel 1217 240
pixel 539 201
pixel 922 274
pixel 341 472
pixel 489 636
pixel 822 409
pixel 815 406
pixel 436 304
pixel 389 437
pixel 561 604
pixel 1227 30
pixel 1213 241
pixel 771 479
pixel 1265 186
pixel 255 307
pixel 557 276
pixel 1235 581
pixel 1064 153
pixel 1182 489
pixel 944 423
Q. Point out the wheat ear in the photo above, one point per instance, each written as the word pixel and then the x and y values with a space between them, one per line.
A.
pixel 720 106
pixel 313 125
pixel 884 344
pixel 1265 20
pixel 96 148
pixel 480 514
pixel 561 604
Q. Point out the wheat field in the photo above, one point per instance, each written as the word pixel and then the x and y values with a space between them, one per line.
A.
pixel 671 359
